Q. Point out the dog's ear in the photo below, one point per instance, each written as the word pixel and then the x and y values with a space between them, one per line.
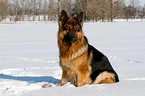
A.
pixel 79 18
pixel 63 18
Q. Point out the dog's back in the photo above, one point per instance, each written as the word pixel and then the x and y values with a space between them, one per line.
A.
pixel 100 64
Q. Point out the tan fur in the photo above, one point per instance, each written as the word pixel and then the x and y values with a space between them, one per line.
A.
pixel 105 78
pixel 76 70
pixel 74 61
pixel 80 51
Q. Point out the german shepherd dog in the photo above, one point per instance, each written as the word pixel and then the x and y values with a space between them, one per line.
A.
pixel 81 63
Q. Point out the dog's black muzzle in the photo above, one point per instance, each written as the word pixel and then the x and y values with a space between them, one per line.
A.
pixel 70 39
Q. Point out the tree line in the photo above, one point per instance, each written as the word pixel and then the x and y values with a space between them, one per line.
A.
pixel 48 10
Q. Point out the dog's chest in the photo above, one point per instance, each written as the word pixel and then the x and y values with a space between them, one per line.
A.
pixel 73 64
pixel 66 63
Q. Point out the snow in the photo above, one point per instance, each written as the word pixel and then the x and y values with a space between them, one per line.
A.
pixel 29 58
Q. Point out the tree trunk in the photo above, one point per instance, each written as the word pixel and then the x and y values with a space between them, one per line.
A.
pixel 34 6
pixel 28 10
pixel 58 10
pixel 23 14
pixel 16 9
pixel 45 10
pixel 39 10
pixel 111 1
pixel 1 8
pixel 16 18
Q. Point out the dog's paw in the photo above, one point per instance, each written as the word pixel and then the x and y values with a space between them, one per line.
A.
pixel 54 85
pixel 47 85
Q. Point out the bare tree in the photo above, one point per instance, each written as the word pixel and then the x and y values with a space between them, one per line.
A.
pixel 51 10
pixel 81 5
pixel 1 8
pixel 24 4
pixel 143 11
pixel 29 10
pixel 4 8
pixel 111 9
pixel 120 9
pixel 134 4
pixel 129 12
pixel 16 5
pixel 67 6
pixel 93 10
pixel 58 8
pixel 103 10
pixel 34 8
pixel 45 4
pixel 39 8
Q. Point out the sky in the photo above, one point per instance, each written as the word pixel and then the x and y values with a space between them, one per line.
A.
pixel 142 2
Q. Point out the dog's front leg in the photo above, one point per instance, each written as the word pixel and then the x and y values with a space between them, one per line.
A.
pixel 64 77
pixel 83 76
pixel 63 80
pixel 81 80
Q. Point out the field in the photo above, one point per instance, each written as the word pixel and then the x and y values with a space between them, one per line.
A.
pixel 29 59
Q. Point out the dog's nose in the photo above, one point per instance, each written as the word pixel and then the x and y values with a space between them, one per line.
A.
pixel 70 39
pixel 73 39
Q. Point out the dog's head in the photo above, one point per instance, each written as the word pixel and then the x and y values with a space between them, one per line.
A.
pixel 71 28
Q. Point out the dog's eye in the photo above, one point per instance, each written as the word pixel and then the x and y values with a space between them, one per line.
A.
pixel 64 28
pixel 77 29
pixel 68 29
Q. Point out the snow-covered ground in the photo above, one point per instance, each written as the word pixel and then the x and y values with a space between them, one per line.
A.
pixel 29 59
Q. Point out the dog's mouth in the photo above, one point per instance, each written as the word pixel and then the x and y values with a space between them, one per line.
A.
pixel 70 39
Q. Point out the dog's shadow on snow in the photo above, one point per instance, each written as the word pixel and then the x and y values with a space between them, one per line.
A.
pixel 48 79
